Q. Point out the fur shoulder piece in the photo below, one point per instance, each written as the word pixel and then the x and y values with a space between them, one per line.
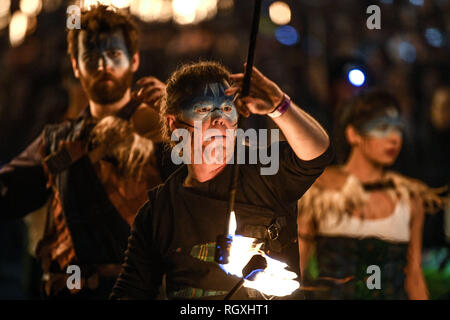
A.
pixel 131 150
pixel 406 187
pixel 317 201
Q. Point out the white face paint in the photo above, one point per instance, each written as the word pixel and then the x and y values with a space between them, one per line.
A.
pixel 385 125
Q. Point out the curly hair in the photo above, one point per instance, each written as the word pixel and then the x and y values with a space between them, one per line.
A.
pixel 358 111
pixel 184 83
pixel 101 19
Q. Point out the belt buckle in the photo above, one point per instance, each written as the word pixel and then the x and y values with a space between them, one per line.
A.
pixel 273 231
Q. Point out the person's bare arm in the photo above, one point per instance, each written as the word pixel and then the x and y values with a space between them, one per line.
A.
pixel 415 285
pixel 306 233
pixel 303 133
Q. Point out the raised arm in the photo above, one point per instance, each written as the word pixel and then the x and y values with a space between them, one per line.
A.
pixel 303 133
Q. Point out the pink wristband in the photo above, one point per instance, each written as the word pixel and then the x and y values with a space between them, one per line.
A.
pixel 282 108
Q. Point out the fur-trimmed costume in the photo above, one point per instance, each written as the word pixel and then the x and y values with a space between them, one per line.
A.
pixel 318 201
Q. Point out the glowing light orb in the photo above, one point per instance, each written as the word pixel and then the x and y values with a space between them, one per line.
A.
pixel 18 28
pixel 356 77
pixel 30 7
pixel 280 13
pixel 286 35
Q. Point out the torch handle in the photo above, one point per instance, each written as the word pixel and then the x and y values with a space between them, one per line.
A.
pixel 245 92
pixel 235 288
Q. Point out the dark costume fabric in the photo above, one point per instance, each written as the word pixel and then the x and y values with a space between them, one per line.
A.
pixel 91 203
pixel 174 233
pixel 348 258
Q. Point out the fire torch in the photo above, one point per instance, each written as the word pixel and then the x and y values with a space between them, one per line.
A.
pixel 223 241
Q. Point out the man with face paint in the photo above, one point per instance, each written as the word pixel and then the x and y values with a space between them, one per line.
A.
pixel 94 170
pixel 174 234
pixel 362 218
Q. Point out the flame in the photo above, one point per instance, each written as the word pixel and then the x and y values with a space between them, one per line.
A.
pixel 274 280
pixel 232 225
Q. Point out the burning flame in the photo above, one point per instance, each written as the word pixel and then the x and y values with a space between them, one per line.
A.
pixel 232 225
pixel 274 280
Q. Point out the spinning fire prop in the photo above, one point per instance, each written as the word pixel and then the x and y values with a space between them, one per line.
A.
pixel 238 256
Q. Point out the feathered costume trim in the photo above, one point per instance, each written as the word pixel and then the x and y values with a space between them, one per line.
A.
pixel 317 201
pixel 131 150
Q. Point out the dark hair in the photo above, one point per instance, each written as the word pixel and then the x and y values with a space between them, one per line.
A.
pixel 357 112
pixel 184 83
pixel 102 19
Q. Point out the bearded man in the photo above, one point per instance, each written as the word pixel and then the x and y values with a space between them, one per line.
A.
pixel 93 171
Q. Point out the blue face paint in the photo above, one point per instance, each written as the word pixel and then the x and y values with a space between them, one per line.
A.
pixel 107 49
pixel 382 127
pixel 209 104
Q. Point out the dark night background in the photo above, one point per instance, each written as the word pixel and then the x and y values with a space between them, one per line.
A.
pixel 309 59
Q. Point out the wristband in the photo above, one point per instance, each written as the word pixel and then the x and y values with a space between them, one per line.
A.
pixel 282 108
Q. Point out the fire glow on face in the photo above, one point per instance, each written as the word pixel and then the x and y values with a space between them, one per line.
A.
pixel 275 280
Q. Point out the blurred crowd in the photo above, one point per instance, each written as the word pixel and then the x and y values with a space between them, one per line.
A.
pixel 409 56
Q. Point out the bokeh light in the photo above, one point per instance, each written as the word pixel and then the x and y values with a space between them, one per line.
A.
pixel 121 3
pixel 406 51
pixel 434 37
pixel 184 11
pixel 416 2
pixel 5 14
pixel 194 11
pixel 356 77
pixel 18 28
pixel 280 13
pixel 152 10
pixel 287 35
pixel 31 7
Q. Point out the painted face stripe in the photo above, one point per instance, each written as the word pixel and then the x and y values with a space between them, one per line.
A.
pixel 215 89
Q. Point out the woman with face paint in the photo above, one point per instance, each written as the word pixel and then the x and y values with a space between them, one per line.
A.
pixel 174 234
pixel 365 222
